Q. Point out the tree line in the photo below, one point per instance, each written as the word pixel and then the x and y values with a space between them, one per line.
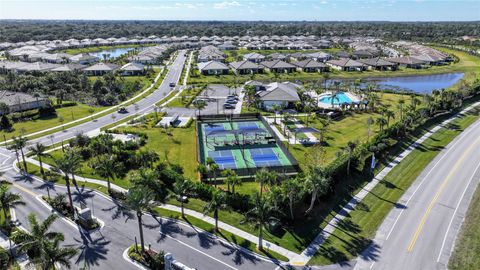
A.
pixel 16 31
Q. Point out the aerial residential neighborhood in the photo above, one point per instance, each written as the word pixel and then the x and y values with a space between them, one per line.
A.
pixel 239 135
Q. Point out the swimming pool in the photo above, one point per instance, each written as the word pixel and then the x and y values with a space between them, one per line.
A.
pixel 339 99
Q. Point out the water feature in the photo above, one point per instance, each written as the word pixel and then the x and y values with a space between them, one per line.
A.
pixel 422 84
pixel 113 53
pixel 339 99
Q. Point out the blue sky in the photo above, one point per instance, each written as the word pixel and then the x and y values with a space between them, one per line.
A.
pixel 311 10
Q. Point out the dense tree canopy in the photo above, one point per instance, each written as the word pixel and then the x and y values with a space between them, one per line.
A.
pixel 15 31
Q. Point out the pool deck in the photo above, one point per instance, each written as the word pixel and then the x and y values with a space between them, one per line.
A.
pixel 351 96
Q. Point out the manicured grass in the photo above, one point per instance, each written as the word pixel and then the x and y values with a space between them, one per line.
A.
pixel 67 113
pixel 352 127
pixel 176 102
pixel 355 232
pixel 467 246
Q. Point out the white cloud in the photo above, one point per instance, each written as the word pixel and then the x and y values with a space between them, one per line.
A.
pixel 226 4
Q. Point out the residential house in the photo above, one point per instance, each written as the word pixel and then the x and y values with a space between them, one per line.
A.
pixel 101 68
pixel 277 56
pixel 282 94
pixel 378 64
pixel 278 66
pixel 361 54
pixel 210 53
pixel 17 101
pixel 347 64
pixel 407 61
pixel 259 86
pixel 132 69
pixel 310 65
pixel 212 68
pixel 68 67
pixel 246 67
pixel 84 59
pixel 298 56
pixel 254 57
pixel 319 56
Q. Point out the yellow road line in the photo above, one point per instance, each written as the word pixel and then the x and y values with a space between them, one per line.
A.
pixel 25 190
pixel 437 195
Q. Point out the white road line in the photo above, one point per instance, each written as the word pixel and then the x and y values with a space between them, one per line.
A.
pixel 452 147
pixel 455 212
pixel 199 251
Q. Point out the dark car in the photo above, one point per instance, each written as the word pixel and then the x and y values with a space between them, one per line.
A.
pixel 228 106
pixel 122 110
pixel 172 84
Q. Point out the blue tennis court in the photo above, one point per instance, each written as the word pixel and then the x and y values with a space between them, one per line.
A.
pixel 224 159
pixel 264 157
pixel 247 125
pixel 213 127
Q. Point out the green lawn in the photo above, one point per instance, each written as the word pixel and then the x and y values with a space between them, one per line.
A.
pixel 352 127
pixel 467 246
pixel 355 232
pixel 67 113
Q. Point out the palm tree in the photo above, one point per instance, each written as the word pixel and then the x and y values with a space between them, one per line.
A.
pixel 107 167
pixel 212 167
pixel 200 105
pixel 370 122
pixel 18 144
pixel 334 96
pixel 263 176
pixel 36 240
pixel 250 92
pixel 56 255
pixel 260 216
pixel 351 146
pixel 317 183
pixel 232 179
pixel 214 205
pixel 381 122
pixel 276 108
pixel 181 187
pixel 373 100
pixel 400 105
pixel 292 189
pixel 140 199
pixel 8 201
pixel 389 114
pixel 66 165
pixel 39 150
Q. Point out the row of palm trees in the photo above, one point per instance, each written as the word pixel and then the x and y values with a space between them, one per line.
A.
pixel 40 243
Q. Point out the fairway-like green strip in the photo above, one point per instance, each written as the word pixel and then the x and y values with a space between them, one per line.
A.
pixel 354 233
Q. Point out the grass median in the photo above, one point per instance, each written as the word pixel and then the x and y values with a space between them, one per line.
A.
pixel 355 232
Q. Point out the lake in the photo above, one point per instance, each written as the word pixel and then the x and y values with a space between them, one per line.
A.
pixel 114 53
pixel 423 84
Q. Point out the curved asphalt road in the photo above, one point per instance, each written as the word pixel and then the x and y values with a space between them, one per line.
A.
pixel 420 234
pixel 103 249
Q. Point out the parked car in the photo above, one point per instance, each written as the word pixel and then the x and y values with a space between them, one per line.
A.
pixel 228 106
pixel 231 101
pixel 122 110
pixel 232 97
pixel 172 84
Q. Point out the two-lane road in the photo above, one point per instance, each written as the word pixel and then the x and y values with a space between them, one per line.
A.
pixel 421 234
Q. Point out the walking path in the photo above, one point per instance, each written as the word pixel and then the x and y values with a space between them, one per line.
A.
pixel 310 251
pixel 224 226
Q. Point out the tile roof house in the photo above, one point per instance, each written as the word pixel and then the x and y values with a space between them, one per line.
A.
pixel 101 69
pixel 246 67
pixel 212 68
pixel 407 61
pixel 210 53
pixel 283 94
pixel 132 69
pixel 319 56
pixel 17 101
pixel 277 56
pixel 254 57
pixel 310 65
pixel 84 59
pixel 347 64
pixel 379 64
pixel 69 67
pixel 37 66
pixel 278 66
pixel 361 54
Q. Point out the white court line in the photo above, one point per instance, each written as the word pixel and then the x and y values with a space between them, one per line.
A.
pixel 452 147
pixel 455 212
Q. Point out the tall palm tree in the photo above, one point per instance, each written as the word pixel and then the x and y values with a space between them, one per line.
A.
pixel 263 176
pixel 381 122
pixel 351 146
pixel 214 205
pixel 8 201
pixel 65 165
pixel 18 144
pixel 39 150
pixel 181 187
pixel 200 105
pixel 212 167
pixel 317 183
pixel 276 108
pixel 140 200
pixel 326 77
pixel 260 216
pixel 36 240
pixel 400 105
pixel 107 167
pixel 389 114
pixel 56 255
pixel 232 179
pixel 292 189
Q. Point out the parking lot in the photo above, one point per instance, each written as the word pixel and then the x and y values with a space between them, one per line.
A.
pixel 215 97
